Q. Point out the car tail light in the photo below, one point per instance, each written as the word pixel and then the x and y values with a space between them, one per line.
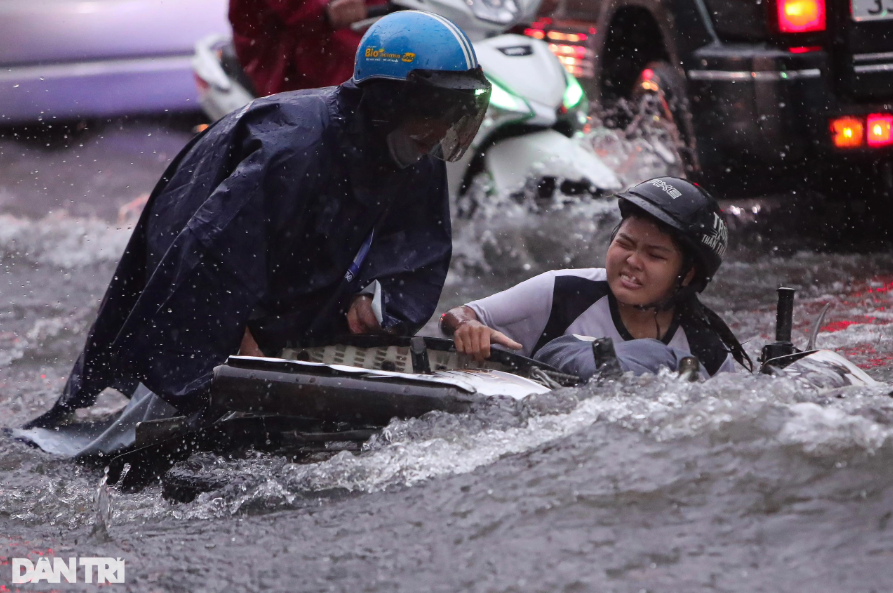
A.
pixel 880 129
pixel 804 49
pixel 647 81
pixel 801 16
pixel 847 132
pixel 570 43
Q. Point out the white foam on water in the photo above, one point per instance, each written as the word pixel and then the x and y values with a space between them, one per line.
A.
pixel 824 431
pixel 507 239
pixel 519 234
pixel 62 241
pixel 767 412
pixel 48 265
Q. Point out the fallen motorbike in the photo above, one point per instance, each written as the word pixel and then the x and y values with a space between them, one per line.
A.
pixel 526 142
pixel 320 399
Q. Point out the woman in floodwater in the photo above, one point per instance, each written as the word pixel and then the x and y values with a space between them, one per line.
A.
pixel 666 250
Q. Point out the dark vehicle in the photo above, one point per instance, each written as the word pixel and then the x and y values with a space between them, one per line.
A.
pixel 767 95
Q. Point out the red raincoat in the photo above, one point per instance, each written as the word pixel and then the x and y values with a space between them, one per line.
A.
pixel 285 45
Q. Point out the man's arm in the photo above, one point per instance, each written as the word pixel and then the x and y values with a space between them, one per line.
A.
pixel 410 254
pixel 470 335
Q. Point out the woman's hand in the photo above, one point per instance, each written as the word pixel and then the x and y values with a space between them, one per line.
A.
pixel 474 338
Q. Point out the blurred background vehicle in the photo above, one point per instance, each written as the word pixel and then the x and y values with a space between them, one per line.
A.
pixel 771 96
pixel 74 59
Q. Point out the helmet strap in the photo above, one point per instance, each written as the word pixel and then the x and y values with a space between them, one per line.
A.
pixel 680 293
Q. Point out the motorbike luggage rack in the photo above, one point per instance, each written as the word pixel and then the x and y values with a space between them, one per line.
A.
pixel 419 354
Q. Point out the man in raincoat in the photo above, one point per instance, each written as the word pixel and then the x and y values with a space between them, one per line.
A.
pixel 300 217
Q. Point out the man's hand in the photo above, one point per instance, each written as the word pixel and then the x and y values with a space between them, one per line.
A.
pixel 360 317
pixel 343 13
pixel 474 338
pixel 249 347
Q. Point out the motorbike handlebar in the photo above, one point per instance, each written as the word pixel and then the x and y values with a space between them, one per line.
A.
pixel 784 316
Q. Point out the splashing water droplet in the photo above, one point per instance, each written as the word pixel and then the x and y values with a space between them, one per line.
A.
pixel 102 508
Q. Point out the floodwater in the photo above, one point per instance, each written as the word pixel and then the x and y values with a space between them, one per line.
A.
pixel 742 483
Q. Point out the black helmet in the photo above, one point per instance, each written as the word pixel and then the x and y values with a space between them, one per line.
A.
pixel 691 212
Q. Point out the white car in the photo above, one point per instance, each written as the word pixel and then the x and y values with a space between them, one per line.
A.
pixel 71 59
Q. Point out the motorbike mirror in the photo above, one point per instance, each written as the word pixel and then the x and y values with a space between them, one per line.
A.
pixel 810 345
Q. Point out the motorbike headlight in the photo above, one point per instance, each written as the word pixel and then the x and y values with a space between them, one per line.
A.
pixel 573 94
pixel 502 98
pixel 502 12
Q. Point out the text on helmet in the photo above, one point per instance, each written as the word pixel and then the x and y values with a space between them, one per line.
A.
pixel 382 54
pixel 671 191
pixel 718 237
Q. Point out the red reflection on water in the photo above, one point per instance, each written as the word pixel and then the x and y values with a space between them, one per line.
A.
pixel 864 303
pixel 836 326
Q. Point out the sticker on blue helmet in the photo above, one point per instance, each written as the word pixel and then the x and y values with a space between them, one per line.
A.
pixel 408 40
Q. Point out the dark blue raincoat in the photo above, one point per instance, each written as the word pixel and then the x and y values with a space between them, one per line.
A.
pixel 256 223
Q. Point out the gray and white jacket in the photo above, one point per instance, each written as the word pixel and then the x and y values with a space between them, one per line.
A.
pixel 580 302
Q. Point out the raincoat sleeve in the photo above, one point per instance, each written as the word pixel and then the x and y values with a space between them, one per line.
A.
pixel 193 310
pixel 410 256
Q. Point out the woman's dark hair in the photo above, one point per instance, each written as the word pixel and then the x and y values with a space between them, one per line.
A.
pixel 689 306
pixel 693 311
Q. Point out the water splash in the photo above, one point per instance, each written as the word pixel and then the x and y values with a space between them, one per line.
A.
pixel 102 509
pixel 780 415
pixel 521 234
pixel 61 241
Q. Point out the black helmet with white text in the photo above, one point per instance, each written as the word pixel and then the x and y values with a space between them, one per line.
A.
pixel 691 212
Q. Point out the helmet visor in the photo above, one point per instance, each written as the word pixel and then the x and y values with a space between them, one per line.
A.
pixel 445 110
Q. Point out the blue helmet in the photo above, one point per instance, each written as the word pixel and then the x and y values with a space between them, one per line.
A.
pixel 411 40
pixel 422 85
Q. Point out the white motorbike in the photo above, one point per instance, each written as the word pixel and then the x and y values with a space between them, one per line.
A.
pixel 526 142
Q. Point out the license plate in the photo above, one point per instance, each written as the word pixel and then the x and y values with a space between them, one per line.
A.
pixel 871 10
